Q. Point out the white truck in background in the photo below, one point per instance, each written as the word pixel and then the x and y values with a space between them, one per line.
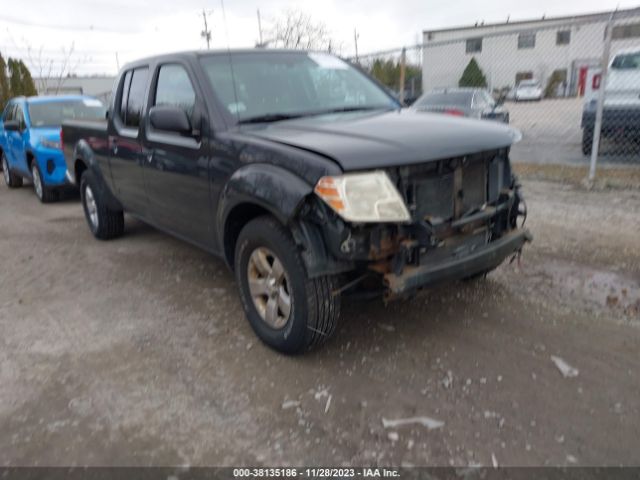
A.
pixel 621 113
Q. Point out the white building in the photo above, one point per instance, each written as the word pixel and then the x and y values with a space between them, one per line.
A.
pixel 507 52
pixel 99 86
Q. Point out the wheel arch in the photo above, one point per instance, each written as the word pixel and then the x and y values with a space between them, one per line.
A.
pixel 79 167
pixel 255 190
pixel 30 157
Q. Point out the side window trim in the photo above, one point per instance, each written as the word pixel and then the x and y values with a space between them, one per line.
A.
pixel 156 136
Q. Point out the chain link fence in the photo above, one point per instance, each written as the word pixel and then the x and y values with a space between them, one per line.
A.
pixel 570 85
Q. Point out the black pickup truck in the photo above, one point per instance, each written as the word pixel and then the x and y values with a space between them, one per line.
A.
pixel 305 175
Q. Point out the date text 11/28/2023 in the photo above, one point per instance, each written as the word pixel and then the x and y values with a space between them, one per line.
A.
pixel 291 472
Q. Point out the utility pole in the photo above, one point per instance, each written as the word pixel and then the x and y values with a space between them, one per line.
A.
pixel 403 66
pixel 259 27
pixel 117 62
pixel 206 33
pixel 595 146
pixel 355 39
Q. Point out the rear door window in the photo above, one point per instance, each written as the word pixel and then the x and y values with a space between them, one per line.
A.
pixel 125 95
pixel 136 97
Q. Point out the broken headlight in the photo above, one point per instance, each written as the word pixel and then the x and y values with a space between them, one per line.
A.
pixel 363 197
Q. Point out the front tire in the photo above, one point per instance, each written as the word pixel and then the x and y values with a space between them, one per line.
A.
pixel 44 194
pixel 11 179
pixel 104 222
pixel 288 311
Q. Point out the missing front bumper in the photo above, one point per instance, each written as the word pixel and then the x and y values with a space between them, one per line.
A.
pixel 482 259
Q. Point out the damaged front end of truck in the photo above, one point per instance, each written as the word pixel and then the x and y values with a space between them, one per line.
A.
pixel 446 220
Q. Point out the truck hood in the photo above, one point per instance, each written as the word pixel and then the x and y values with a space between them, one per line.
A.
pixel 359 141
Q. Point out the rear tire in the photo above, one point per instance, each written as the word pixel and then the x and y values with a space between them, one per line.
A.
pixel 587 140
pixel 313 307
pixel 44 194
pixel 104 222
pixel 11 179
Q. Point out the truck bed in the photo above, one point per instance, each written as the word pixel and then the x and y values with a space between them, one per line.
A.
pixel 75 132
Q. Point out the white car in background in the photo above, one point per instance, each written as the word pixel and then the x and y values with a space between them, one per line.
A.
pixel 621 109
pixel 528 90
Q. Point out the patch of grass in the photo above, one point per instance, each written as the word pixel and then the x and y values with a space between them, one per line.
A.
pixel 606 177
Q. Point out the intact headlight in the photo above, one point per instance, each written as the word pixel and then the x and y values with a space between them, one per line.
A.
pixel 50 144
pixel 363 197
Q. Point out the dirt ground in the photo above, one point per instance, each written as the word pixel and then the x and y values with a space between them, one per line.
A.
pixel 136 352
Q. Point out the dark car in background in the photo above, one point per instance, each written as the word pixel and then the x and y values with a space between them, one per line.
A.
pixel 463 102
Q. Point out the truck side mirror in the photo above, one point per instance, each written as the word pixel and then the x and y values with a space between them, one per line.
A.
pixel 12 126
pixel 170 119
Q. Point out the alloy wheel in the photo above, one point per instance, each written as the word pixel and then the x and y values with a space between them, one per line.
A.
pixel 37 181
pixel 92 207
pixel 5 171
pixel 269 287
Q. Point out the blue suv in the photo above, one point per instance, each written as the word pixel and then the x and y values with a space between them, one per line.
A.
pixel 30 140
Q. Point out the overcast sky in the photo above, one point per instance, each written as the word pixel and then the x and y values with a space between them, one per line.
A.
pixel 135 28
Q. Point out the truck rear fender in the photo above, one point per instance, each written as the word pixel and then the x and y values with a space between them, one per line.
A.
pixel 85 159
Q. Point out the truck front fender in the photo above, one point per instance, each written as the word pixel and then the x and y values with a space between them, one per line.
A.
pixel 262 188
pixel 272 188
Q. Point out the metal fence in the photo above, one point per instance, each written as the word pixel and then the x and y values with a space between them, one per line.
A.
pixel 570 85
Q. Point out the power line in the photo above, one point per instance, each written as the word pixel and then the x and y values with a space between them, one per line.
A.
pixel 90 28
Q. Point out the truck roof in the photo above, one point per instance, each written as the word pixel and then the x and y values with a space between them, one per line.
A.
pixel 625 51
pixel 205 53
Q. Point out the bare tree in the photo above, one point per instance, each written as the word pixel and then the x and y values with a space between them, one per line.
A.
pixel 297 30
pixel 51 72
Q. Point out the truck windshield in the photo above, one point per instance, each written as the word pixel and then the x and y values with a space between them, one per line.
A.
pixel 437 99
pixel 629 61
pixel 272 86
pixel 52 114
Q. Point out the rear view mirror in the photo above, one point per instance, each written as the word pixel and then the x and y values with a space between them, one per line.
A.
pixel 12 125
pixel 170 119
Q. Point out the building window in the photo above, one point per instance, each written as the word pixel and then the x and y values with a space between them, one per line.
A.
pixel 563 37
pixel 474 45
pixel 526 40
pixel 520 76
pixel 631 30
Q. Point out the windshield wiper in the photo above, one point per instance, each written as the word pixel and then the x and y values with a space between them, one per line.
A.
pixel 271 117
pixel 277 117
pixel 360 108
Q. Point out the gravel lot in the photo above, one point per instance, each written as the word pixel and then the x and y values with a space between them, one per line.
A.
pixel 135 352
pixel 552 134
